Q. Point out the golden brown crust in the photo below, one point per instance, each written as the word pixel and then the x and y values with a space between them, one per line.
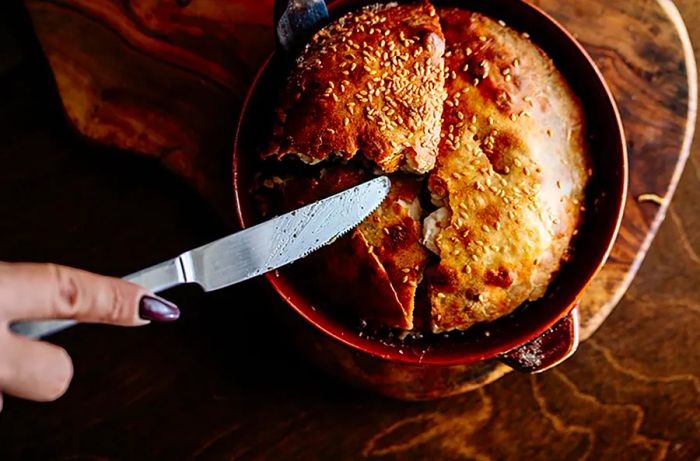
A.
pixel 511 172
pixel 372 82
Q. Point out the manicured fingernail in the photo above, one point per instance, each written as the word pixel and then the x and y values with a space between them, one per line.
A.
pixel 158 309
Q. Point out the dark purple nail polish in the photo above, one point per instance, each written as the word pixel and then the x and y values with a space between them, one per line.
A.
pixel 158 309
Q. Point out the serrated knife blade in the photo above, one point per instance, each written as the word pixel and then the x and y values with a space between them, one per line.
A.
pixel 255 250
pixel 283 239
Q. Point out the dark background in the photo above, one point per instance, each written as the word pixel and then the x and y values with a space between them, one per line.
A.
pixel 223 383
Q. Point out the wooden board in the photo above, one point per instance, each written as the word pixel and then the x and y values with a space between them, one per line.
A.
pixel 641 47
pixel 167 80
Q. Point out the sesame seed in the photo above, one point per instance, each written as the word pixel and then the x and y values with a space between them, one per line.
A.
pixel 485 228
pixel 441 295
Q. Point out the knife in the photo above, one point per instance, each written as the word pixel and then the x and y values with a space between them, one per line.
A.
pixel 252 251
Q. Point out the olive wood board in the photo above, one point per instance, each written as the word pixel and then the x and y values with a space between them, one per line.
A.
pixel 167 79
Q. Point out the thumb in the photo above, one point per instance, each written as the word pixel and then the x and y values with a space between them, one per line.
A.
pixel 47 291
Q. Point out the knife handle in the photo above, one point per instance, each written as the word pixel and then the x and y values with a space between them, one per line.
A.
pixel 155 278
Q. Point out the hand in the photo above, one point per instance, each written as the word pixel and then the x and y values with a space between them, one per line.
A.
pixel 40 371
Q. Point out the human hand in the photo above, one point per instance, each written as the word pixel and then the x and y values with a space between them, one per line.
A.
pixel 37 370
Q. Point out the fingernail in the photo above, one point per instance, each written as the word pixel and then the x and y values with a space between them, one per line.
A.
pixel 158 309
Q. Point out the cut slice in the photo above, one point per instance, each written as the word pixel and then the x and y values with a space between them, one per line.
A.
pixel 373 272
pixel 394 233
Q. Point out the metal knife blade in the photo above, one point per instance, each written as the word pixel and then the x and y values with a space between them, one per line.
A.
pixel 253 251
pixel 282 240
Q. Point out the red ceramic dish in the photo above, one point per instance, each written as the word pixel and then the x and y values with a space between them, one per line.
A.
pixel 606 198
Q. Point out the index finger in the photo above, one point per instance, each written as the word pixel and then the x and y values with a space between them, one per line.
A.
pixel 30 291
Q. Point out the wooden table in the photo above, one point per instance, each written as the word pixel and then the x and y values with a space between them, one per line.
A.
pixel 212 387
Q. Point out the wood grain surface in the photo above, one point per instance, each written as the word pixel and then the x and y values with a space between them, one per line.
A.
pixel 216 385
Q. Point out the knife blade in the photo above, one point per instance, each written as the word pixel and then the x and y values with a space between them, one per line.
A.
pixel 252 251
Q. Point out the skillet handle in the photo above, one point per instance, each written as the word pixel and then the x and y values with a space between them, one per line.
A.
pixel 547 350
pixel 296 20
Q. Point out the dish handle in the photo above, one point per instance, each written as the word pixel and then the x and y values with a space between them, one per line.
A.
pixel 547 350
